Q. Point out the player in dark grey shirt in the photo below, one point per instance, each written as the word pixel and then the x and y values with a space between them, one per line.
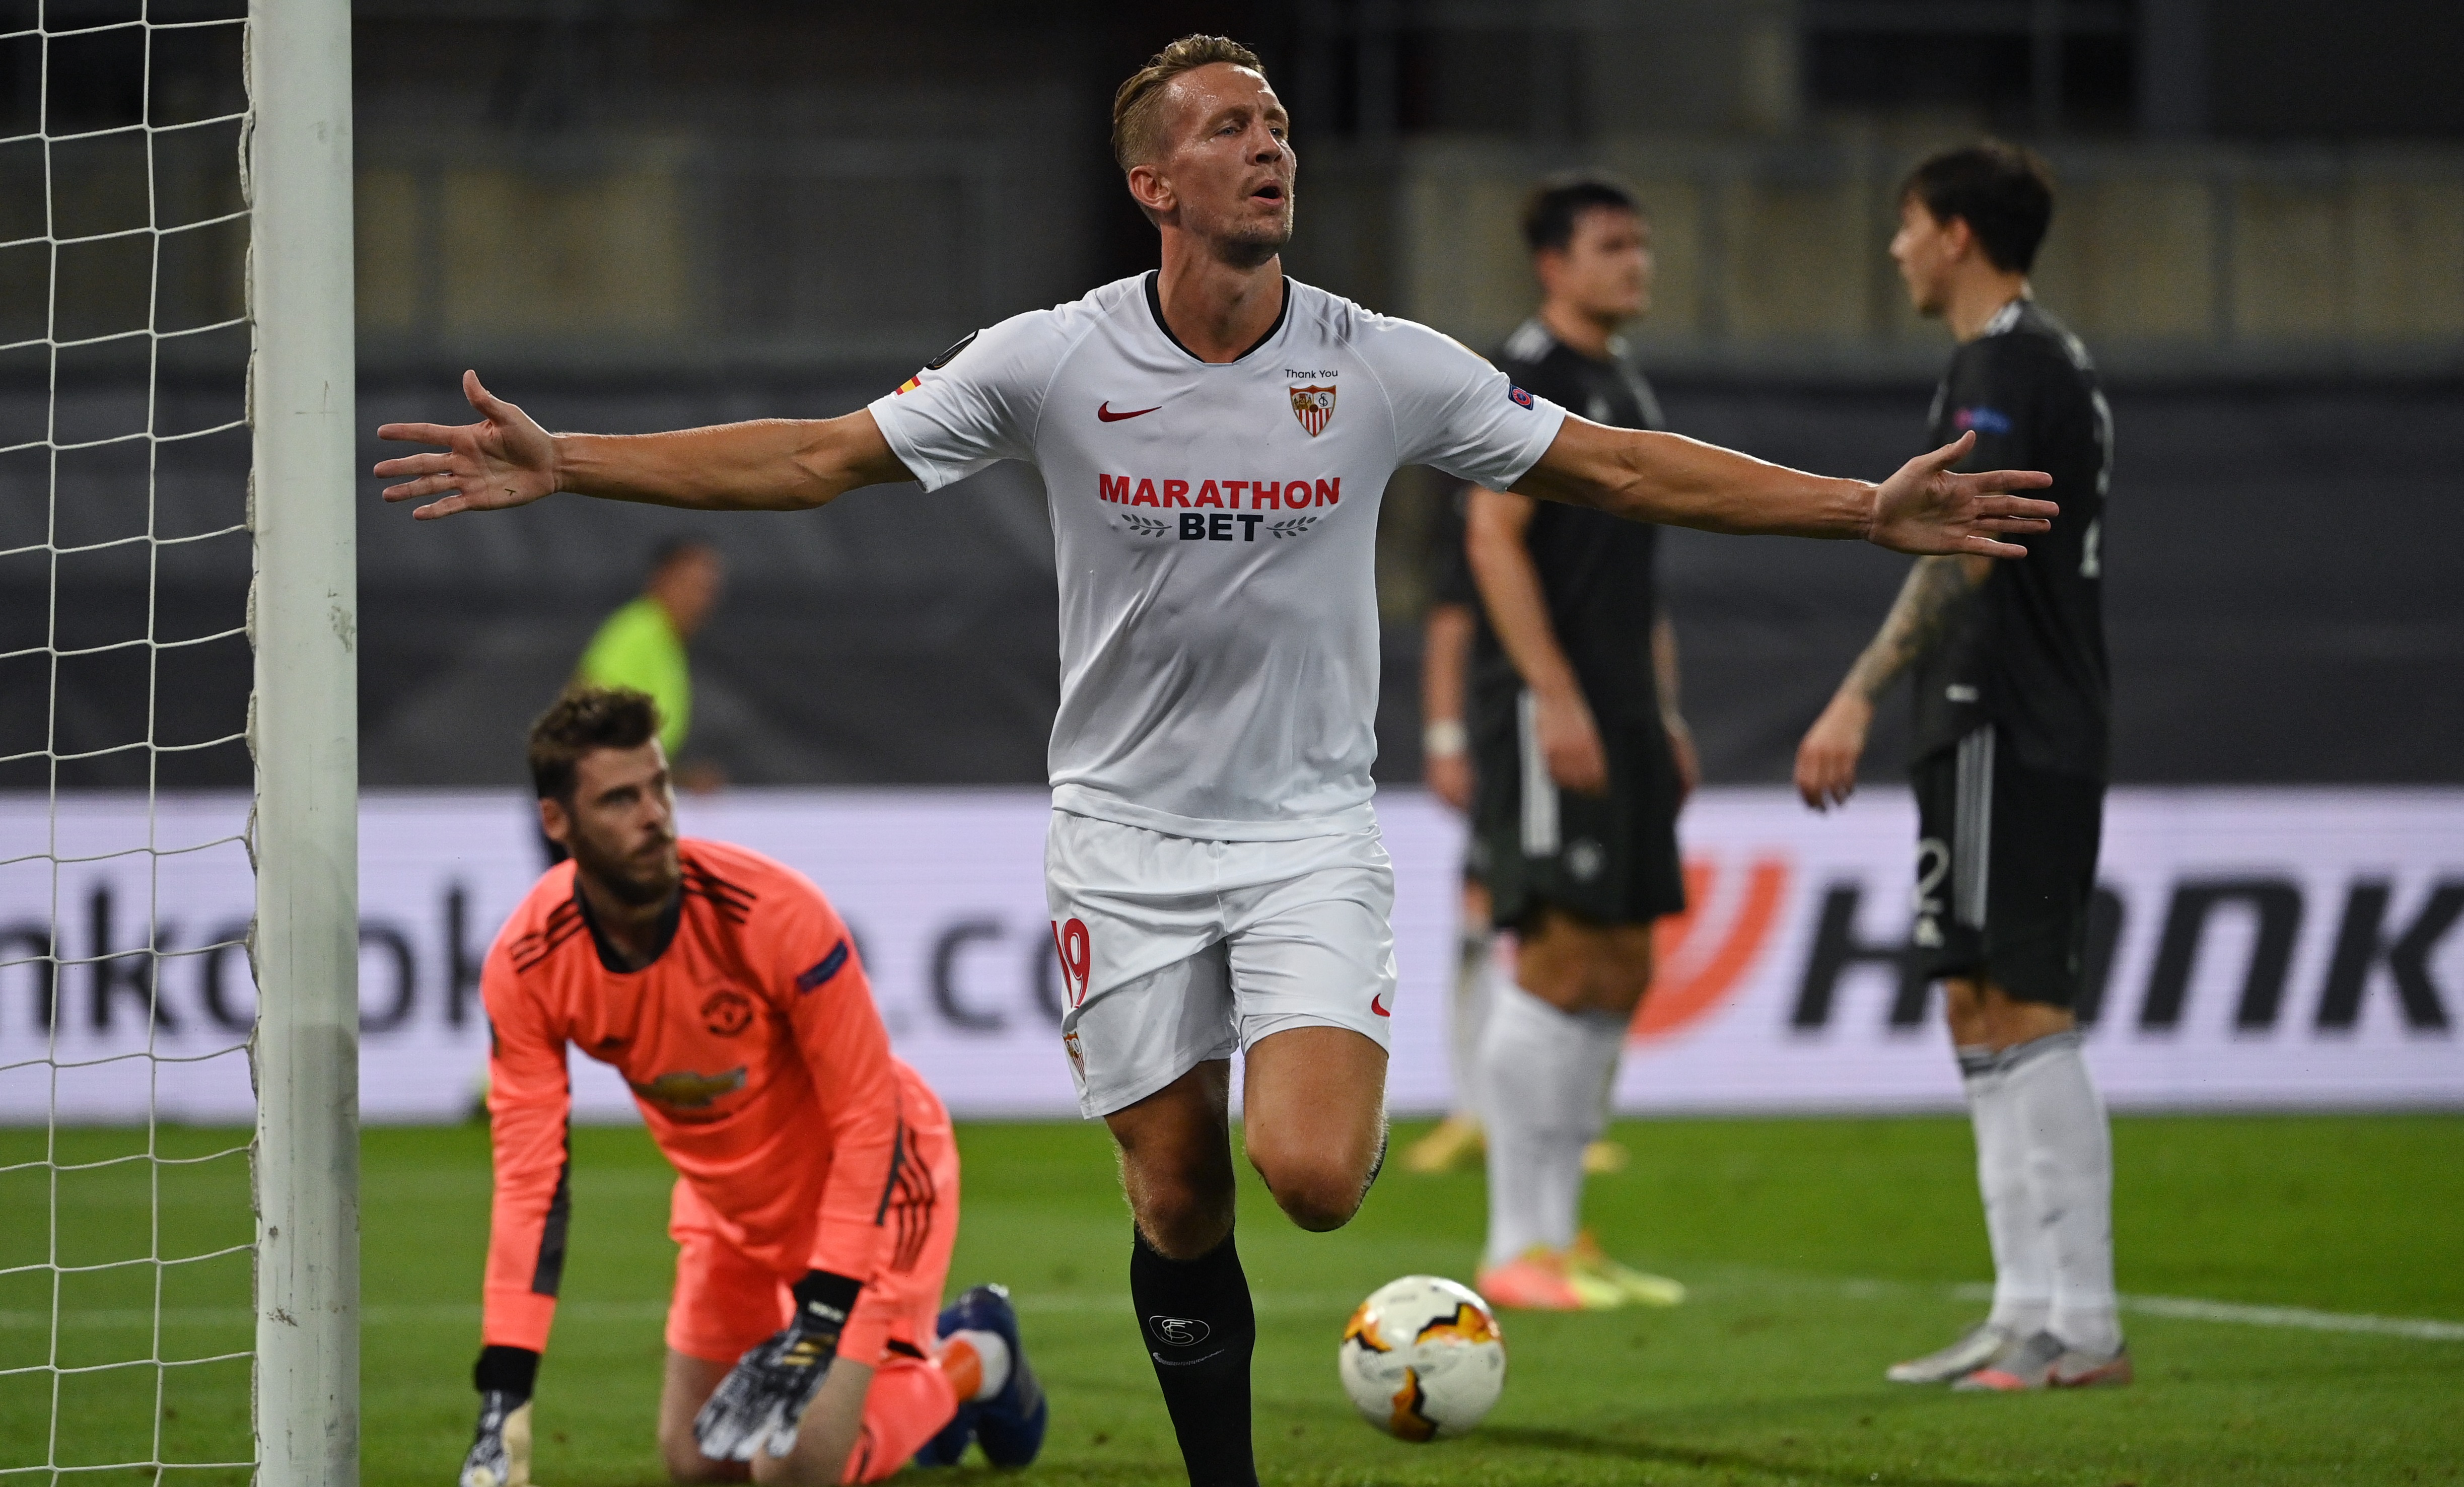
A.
pixel 2024 650
pixel 1580 763
pixel 2013 720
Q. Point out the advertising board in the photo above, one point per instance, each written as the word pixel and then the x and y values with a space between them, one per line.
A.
pixel 2251 948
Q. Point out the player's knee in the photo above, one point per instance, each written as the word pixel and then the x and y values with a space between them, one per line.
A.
pixel 1183 1220
pixel 1321 1201
pixel 1317 1190
pixel 1618 988
pixel 1962 1005
pixel 1623 968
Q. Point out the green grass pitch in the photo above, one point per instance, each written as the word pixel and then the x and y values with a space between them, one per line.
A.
pixel 1818 1250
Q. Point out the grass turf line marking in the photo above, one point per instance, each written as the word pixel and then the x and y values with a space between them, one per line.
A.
pixel 2192 1308
pixel 2186 1308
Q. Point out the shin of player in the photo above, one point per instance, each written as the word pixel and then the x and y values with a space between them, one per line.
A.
pixel 1582 763
pixel 2012 723
pixel 817 1193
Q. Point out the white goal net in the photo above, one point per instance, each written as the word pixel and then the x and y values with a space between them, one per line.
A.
pixel 177 1299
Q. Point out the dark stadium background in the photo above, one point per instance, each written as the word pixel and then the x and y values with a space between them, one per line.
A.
pixel 632 214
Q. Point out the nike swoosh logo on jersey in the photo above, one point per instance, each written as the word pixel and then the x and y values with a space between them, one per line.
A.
pixel 1377 1004
pixel 1104 411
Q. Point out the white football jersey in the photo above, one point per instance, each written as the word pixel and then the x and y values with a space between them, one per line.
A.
pixel 1216 528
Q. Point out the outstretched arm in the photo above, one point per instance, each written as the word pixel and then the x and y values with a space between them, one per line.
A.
pixel 1685 483
pixel 1826 761
pixel 507 459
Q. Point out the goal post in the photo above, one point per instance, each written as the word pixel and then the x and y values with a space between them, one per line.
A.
pixel 303 730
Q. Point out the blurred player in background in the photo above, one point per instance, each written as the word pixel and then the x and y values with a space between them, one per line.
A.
pixel 1582 762
pixel 642 646
pixel 1213 439
pixel 817 1195
pixel 1445 754
pixel 2013 713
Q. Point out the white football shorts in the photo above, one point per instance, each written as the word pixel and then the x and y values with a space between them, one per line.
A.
pixel 1174 950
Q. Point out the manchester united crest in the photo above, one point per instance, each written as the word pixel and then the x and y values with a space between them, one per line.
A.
pixel 727 1011
pixel 1313 406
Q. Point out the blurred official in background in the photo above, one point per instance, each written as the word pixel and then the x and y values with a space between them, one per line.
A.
pixel 1581 763
pixel 2012 718
pixel 642 646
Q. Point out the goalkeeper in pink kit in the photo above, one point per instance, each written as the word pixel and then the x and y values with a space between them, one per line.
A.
pixel 817 1195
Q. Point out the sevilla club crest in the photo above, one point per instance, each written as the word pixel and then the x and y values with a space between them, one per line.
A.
pixel 1313 406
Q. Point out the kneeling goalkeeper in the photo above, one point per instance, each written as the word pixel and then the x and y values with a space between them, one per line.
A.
pixel 817 1195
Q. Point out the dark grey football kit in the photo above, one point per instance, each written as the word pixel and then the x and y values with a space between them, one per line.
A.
pixel 1609 858
pixel 2013 707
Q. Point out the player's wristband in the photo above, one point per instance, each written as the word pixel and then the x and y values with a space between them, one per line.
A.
pixel 505 1370
pixel 1444 737
pixel 824 1302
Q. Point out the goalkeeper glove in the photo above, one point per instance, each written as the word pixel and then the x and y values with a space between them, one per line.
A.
pixel 500 1450
pixel 757 1404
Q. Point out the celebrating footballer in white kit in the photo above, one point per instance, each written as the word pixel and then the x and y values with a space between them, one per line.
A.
pixel 1215 527
pixel 1214 441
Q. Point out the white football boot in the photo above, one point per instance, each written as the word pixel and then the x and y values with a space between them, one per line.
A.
pixel 2046 1361
pixel 1979 1347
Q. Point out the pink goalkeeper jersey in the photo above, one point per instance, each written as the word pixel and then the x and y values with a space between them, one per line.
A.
pixel 753 1048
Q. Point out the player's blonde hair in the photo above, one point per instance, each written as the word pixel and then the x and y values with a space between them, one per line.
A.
pixel 1137 108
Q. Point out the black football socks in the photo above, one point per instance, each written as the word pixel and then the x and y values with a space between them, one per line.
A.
pixel 1200 1329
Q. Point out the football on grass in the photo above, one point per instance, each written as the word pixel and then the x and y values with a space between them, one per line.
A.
pixel 1422 1358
